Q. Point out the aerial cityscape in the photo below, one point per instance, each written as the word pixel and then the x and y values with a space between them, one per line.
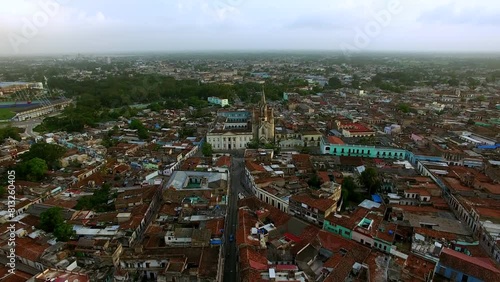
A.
pixel 213 143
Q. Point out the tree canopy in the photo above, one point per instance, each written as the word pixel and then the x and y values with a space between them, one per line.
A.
pixel 142 131
pixel 52 221
pixel 98 201
pixel 370 180
pixel 10 132
pixel 314 182
pixel 50 153
pixel 334 82
pixel 32 170
pixel 206 149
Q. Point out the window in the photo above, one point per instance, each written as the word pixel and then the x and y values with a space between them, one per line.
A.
pixel 442 270
pixel 453 275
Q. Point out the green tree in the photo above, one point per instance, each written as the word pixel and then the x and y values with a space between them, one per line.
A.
pixel 370 180
pixel 186 132
pixel 142 131
pixel 50 153
pixel 155 107
pixel 3 191
pixel 405 108
pixel 334 82
pixel 473 83
pixel 136 124
pixel 254 144
pixel 314 182
pixel 349 187
pixel 481 98
pixel 206 149
pixel 98 201
pixel 454 82
pixel 32 170
pixel 52 221
pixel 64 232
pixel 10 132
pixel 109 142
pixel 356 82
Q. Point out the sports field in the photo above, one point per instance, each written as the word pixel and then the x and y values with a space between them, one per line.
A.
pixel 6 113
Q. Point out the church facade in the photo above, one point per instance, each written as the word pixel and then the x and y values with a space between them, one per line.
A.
pixel 263 122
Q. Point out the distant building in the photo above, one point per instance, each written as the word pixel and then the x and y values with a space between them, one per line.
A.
pixel 218 101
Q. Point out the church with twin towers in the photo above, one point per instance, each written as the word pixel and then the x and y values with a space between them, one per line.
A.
pixel 235 129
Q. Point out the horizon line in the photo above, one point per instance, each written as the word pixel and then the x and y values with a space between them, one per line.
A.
pixel 251 51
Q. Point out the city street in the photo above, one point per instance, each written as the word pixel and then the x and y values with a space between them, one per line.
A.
pixel 231 255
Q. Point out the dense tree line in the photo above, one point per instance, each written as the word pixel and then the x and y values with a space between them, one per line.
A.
pixel 108 99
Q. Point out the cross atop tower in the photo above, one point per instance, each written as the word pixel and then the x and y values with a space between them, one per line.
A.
pixel 263 98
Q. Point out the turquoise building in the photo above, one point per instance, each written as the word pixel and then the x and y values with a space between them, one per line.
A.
pixel 337 229
pixel 347 150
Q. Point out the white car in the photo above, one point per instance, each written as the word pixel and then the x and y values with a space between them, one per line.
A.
pixel 241 196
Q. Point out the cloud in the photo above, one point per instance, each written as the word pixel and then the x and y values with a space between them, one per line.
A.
pixel 324 21
pixel 453 14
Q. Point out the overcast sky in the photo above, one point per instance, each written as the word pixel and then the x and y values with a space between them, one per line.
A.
pixel 82 26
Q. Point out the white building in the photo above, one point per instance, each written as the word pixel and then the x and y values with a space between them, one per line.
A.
pixel 229 140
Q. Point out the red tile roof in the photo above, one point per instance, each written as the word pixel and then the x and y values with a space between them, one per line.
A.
pixel 292 237
pixel 215 226
pixel 482 268
pixel 435 234
pixel 349 221
pixel 190 163
pixel 245 223
pixel 335 140
pixel 277 216
pixel 323 175
pixel 224 161
pixel 322 204
pixel 341 264
pixel 418 268
pixel 30 249
pixel 253 167
pixel 251 258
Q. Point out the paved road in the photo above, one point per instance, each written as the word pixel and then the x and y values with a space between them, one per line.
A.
pixel 231 255
pixel 28 125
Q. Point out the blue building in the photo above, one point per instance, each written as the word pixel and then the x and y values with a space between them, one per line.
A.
pixel 457 266
pixel 236 116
